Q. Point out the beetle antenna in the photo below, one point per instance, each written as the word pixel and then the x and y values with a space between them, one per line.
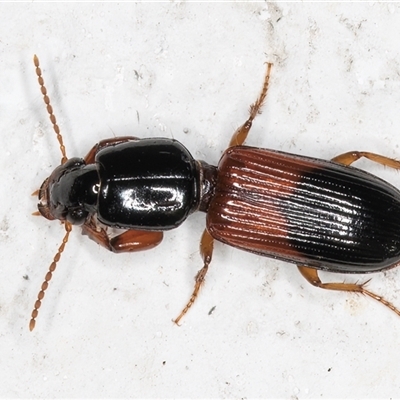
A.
pixel 48 276
pixel 49 109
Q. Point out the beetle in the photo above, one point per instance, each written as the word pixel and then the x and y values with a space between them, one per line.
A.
pixel 317 214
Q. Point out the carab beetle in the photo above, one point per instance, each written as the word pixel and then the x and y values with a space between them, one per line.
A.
pixel 318 214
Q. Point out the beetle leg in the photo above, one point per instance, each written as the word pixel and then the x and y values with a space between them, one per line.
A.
pixel 352 156
pixel 311 275
pixel 131 240
pixel 241 133
pixel 90 157
pixel 206 250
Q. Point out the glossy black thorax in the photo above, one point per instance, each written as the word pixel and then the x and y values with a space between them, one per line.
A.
pixel 148 184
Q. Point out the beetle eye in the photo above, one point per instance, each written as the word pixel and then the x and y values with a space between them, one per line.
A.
pixel 77 216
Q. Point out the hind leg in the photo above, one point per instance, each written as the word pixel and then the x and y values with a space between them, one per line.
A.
pixel 311 275
pixel 352 156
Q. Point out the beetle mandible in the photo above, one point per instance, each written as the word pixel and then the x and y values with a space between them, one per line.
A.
pixel 318 214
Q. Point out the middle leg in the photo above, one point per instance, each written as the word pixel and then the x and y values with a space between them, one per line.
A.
pixel 206 250
pixel 241 133
pixel 207 241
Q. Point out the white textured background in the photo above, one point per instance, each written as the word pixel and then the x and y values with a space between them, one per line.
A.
pixel 190 71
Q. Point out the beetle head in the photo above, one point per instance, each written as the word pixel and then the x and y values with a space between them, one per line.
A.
pixel 64 195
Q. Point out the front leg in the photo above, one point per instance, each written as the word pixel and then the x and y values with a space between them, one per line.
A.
pixel 90 157
pixel 130 240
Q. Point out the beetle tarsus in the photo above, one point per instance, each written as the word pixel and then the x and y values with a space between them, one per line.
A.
pixel 381 300
pixel 241 133
pixel 206 250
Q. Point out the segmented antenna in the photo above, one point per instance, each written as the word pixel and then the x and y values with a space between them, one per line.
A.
pixel 49 108
pixel 48 276
pixel 67 225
